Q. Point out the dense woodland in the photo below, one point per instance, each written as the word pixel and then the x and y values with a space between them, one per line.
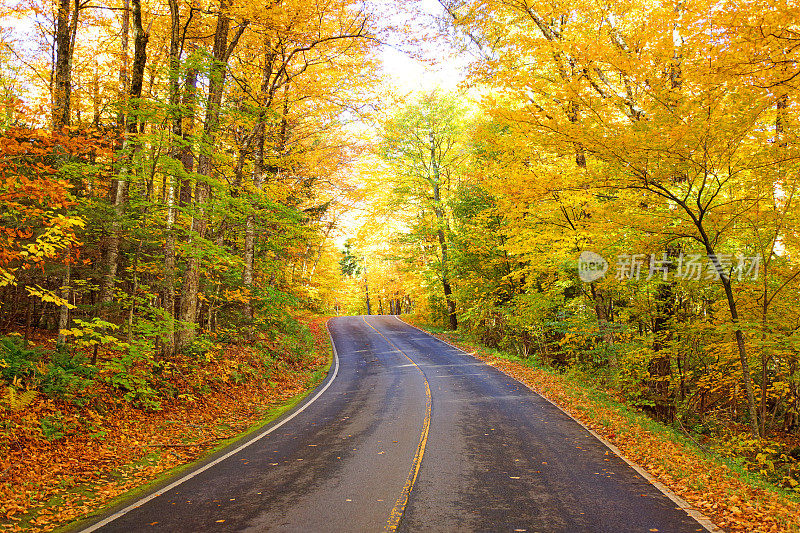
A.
pixel 173 175
pixel 187 178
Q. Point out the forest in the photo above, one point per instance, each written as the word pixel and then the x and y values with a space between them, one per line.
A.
pixel 609 191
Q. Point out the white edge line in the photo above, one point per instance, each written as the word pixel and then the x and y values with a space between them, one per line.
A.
pixel 139 503
pixel 702 519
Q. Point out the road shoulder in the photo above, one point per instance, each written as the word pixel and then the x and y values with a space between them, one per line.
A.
pixel 194 458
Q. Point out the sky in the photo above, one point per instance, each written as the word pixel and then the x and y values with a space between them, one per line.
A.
pixel 420 65
pixel 442 66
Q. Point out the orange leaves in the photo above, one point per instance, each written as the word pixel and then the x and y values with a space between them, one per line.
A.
pixel 110 451
pixel 34 225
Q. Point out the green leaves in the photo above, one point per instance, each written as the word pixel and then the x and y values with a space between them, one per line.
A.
pixel 94 332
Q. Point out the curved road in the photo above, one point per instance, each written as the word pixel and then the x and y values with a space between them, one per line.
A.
pixel 409 434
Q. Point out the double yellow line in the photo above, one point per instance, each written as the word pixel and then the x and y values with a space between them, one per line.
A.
pixel 402 500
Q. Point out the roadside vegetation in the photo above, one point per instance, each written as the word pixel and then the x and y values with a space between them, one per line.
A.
pixel 611 196
pixel 82 435
pixel 170 178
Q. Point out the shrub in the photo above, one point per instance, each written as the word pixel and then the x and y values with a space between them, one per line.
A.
pixel 68 377
pixel 17 360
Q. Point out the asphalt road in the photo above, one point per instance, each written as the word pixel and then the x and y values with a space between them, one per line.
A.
pixel 408 433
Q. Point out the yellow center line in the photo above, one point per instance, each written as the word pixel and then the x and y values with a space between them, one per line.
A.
pixel 402 500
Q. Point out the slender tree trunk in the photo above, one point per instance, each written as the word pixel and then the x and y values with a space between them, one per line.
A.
pixel 66 28
pixel 173 181
pixel 220 55
pixel 187 126
pixel 602 308
pixel 249 254
pixel 441 224
pixel 366 287
pixel 111 259
pixel 63 316
pixel 573 116
pixel 250 225
pixel 448 291
pixel 96 96
pixel 124 80
pixel 269 87
pixel 738 334
pixel 134 290
pixel 660 366
pixel 137 76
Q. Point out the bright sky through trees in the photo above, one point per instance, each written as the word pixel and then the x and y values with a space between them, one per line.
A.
pixel 424 60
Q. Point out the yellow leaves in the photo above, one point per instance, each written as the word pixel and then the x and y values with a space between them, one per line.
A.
pixel 58 236
pixel 7 277
pixel 48 296
pixel 239 295
pixel 93 333
pixel 17 401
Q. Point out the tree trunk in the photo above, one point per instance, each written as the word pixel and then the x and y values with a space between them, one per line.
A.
pixel 63 316
pixel 220 55
pixel 174 180
pixel 134 290
pixel 124 81
pixel 270 84
pixel 602 309
pixel 441 223
pixel 188 104
pixel 660 365
pixel 249 254
pixel 781 104
pixel 66 28
pixel 250 223
pixel 137 76
pixel 738 334
pixel 366 287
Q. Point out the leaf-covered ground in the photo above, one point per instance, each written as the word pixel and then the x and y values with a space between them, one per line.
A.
pixel 112 447
pixel 703 480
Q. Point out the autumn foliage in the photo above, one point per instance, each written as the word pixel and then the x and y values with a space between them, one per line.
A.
pixel 173 176
pixel 660 137
pixel 170 178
